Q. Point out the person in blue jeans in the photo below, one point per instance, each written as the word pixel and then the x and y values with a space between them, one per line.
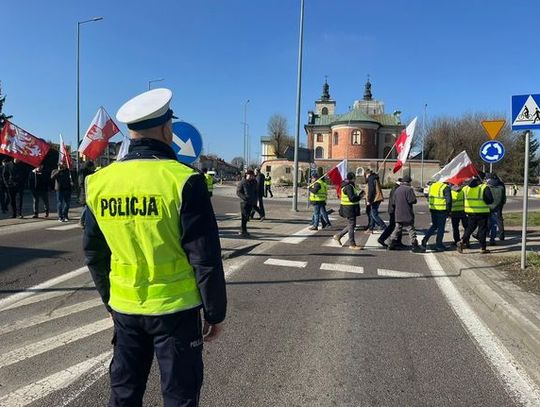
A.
pixel 62 186
pixel 374 199
pixel 318 194
pixel 440 205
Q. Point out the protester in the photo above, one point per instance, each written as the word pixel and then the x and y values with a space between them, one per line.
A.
pixel 402 201
pixel 268 186
pixel 209 181
pixel 349 209
pixel 514 189
pixel 39 183
pixel 62 186
pixel 440 205
pixel 14 176
pixel 318 194
pixel 259 207
pixel 457 213
pixel 87 170
pixel 477 199
pixel 392 220
pixel 4 193
pixel 247 192
pixel 496 220
pixel 374 199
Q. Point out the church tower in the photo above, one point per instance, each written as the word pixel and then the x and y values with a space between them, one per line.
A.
pixel 325 105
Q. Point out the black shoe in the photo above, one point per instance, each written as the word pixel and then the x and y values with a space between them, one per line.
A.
pixel 34 217
pixel 390 247
pixel 313 228
pixel 460 246
pixel 423 245
pixel 383 244
pixel 501 237
pixel 439 249
pixel 484 251
pixel 244 234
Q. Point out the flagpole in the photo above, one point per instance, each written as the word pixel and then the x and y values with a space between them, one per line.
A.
pixel 384 161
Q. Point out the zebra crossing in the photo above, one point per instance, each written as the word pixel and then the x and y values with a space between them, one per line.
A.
pixel 53 336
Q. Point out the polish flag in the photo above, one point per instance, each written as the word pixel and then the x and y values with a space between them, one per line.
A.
pixel 457 171
pixel 337 175
pixel 64 157
pixel 98 134
pixel 20 144
pixel 403 145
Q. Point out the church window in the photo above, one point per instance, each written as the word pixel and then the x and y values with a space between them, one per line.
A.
pixel 336 139
pixel 319 152
pixel 324 111
pixel 319 138
pixel 356 137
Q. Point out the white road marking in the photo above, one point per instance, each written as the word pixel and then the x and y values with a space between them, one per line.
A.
pixel 333 243
pixel 37 298
pixel 347 268
pixel 42 388
pixel 398 274
pixel 510 371
pixel 54 342
pixel 55 314
pixel 286 263
pixel 232 214
pixel 299 236
pixel 65 227
pixel 6 302
pixel 372 243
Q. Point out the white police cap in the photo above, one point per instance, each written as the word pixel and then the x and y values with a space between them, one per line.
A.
pixel 147 110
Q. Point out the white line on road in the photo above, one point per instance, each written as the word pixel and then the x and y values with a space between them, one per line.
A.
pixel 398 274
pixel 42 388
pixel 510 371
pixel 347 268
pixel 65 227
pixel 286 263
pixel 54 342
pixel 49 316
pixel 6 302
pixel 299 236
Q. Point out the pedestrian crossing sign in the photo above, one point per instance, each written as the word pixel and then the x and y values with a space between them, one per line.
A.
pixel 525 112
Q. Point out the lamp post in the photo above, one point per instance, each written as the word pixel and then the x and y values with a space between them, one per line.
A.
pixel 154 80
pixel 245 134
pixel 79 23
pixel 298 99
pixel 423 146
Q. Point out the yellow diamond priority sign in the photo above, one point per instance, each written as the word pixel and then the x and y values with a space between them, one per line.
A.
pixel 493 127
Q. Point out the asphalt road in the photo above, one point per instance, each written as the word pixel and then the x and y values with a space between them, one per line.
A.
pixel 309 324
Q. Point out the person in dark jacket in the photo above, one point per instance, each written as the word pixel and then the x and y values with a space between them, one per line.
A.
pixel 4 194
pixel 38 183
pixel 62 186
pixel 402 201
pixel 392 220
pixel 374 199
pixel 259 206
pixel 248 193
pixel 349 209
pixel 15 176
pixel 440 205
pixel 496 220
pixel 88 169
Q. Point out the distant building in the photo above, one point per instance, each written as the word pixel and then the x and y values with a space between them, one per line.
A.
pixel 223 169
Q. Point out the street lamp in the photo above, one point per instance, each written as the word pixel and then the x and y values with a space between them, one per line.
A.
pixel 245 134
pixel 78 104
pixel 154 80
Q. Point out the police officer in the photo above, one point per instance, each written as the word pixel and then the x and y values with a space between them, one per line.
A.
pixel 209 181
pixel 478 196
pixel 440 204
pixel 152 246
pixel 268 186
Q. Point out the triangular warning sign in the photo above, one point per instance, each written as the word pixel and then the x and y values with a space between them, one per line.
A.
pixel 493 127
pixel 529 113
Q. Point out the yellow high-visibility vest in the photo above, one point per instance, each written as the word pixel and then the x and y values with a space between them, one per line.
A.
pixel 322 193
pixel 436 196
pixel 209 182
pixel 137 205
pixel 474 199
pixel 345 198
pixel 458 201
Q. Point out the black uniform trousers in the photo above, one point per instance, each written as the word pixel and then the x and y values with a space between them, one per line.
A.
pixel 456 218
pixel 16 200
pixel 44 196
pixel 246 209
pixel 259 208
pixel 480 221
pixel 177 342
pixel 4 197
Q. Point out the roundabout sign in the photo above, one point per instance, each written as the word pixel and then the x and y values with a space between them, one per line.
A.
pixel 492 151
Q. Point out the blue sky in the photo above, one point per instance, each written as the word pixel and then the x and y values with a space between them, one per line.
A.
pixel 456 56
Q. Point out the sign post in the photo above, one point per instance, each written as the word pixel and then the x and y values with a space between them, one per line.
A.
pixel 525 116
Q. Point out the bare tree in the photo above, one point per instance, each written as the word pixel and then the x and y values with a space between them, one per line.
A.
pixel 279 134
pixel 238 162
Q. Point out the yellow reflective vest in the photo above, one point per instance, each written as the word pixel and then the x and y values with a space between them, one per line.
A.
pixel 436 198
pixel 345 198
pixel 209 182
pixel 137 205
pixel 474 199
pixel 322 193
pixel 268 181
pixel 458 201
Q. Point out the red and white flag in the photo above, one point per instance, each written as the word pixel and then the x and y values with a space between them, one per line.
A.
pixel 98 134
pixel 457 171
pixel 403 145
pixel 337 175
pixel 20 144
pixel 64 157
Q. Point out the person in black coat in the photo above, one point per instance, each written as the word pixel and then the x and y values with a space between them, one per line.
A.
pixel 259 206
pixel 392 220
pixel 247 192
pixel 349 209
pixel 14 176
pixel 402 202
pixel 4 194
pixel 39 182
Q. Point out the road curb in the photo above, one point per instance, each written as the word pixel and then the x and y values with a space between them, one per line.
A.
pixel 239 251
pixel 525 329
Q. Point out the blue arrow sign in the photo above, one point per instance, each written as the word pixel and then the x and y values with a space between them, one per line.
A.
pixel 187 142
pixel 492 151
pixel 525 112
